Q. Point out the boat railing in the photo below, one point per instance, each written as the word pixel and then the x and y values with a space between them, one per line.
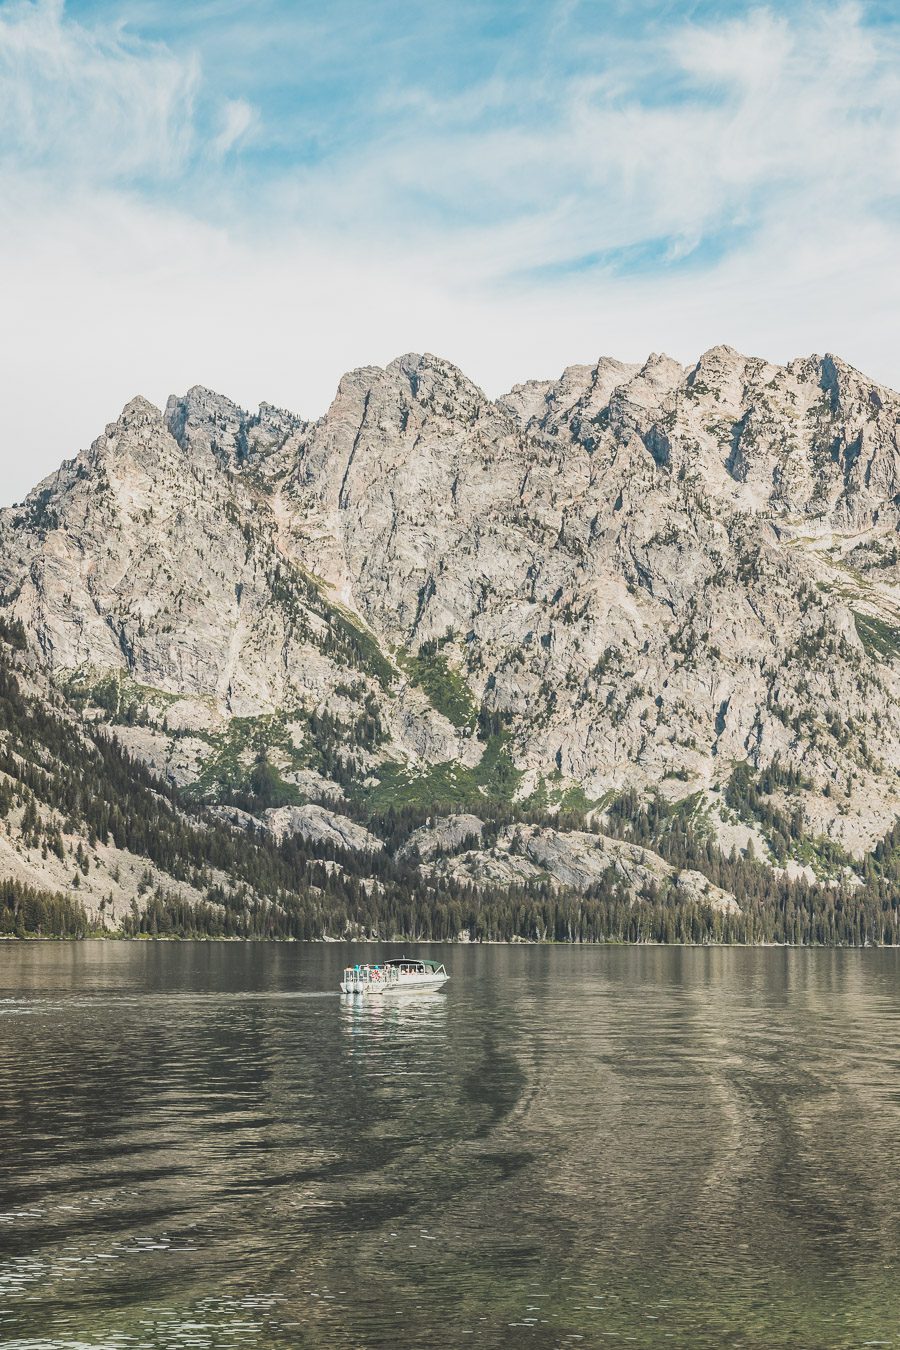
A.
pixel 371 975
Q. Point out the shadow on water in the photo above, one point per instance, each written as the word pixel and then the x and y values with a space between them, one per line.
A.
pixel 204 1145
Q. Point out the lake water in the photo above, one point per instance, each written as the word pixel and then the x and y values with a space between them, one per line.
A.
pixel 203 1145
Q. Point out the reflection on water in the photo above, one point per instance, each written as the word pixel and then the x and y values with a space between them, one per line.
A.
pixel 204 1145
pixel 406 1014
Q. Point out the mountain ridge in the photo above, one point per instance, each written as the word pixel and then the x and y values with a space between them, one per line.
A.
pixel 636 576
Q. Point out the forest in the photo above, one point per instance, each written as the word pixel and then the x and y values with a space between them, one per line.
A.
pixel 70 777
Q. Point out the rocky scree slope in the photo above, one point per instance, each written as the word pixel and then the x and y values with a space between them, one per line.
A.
pixel 629 577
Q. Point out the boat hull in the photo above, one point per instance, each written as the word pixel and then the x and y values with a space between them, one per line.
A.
pixel 390 988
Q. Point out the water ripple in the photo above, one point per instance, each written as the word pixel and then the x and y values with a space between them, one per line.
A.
pixel 202 1145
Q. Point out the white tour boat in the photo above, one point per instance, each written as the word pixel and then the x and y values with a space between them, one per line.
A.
pixel 397 976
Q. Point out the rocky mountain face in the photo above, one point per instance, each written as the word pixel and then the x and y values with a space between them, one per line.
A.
pixel 632 577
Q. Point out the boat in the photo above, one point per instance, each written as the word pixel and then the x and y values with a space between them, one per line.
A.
pixel 400 975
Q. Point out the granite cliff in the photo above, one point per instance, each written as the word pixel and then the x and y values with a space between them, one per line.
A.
pixel 633 578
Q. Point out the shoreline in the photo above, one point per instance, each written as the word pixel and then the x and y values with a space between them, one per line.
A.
pixel 450 942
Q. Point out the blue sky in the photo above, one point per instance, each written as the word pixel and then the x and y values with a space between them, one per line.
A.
pixel 258 196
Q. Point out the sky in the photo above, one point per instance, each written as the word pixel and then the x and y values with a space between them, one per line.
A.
pixel 257 195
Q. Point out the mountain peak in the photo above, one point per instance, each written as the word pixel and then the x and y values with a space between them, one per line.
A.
pixel 426 373
pixel 138 411
pixel 203 421
pixel 722 352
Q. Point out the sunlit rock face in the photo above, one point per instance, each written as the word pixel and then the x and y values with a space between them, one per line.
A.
pixel 639 575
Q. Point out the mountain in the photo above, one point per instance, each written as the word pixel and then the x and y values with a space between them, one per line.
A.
pixel 672 588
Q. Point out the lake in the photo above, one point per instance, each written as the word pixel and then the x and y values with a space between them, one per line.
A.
pixel 203 1145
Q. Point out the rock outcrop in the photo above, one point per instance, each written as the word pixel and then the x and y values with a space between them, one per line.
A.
pixel 573 860
pixel 321 826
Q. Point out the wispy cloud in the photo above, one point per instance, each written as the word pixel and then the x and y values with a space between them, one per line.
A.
pixel 238 120
pixel 79 102
pixel 261 198
pixel 767 121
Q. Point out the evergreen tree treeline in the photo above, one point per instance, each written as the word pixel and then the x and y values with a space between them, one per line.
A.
pixel 71 777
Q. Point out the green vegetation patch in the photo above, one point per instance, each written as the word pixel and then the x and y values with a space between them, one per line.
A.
pixel 238 764
pixel 345 638
pixel 551 796
pixel 652 819
pixel 445 688
pixel 496 774
pixel 449 785
pixel 749 796
pixel 364 650
pixel 125 701
pixel 881 640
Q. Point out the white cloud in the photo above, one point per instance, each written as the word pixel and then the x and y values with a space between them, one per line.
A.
pixel 85 103
pixel 238 119
pixel 428 236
